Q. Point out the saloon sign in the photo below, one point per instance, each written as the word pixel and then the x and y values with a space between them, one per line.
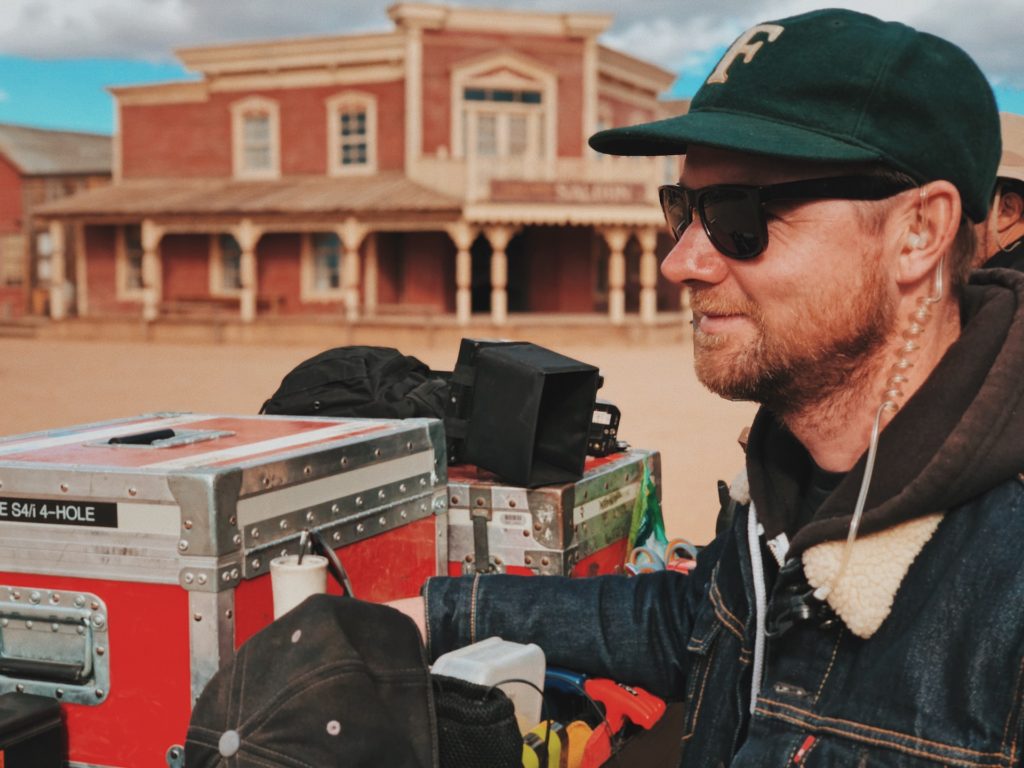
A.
pixel 580 192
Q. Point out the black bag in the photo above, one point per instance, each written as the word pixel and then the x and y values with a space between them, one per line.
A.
pixel 476 725
pixel 362 382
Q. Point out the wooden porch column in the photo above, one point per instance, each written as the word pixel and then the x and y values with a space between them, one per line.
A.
pixel 498 238
pixel 152 269
pixel 370 273
pixel 463 235
pixel 616 239
pixel 247 235
pixel 81 272
pixel 58 291
pixel 351 234
pixel 648 276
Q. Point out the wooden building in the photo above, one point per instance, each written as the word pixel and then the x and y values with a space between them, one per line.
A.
pixel 441 168
pixel 38 166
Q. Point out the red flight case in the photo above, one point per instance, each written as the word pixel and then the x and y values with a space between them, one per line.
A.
pixel 129 572
pixel 572 529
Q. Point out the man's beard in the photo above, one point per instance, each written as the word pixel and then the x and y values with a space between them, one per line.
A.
pixel 820 350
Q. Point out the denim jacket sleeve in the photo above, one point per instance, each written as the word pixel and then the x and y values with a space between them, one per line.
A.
pixel 631 629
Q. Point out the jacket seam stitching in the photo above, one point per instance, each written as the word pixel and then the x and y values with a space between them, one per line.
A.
pixel 716 600
pixel 703 687
pixel 792 754
pixel 877 742
pixel 803 757
pixel 719 600
pixel 810 749
pixel 831 664
pixel 821 719
pixel 1009 717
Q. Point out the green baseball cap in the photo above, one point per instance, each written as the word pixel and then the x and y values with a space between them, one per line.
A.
pixel 837 85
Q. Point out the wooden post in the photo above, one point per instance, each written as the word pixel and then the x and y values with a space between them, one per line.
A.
pixel 499 237
pixel 151 235
pixel 351 234
pixel 616 239
pixel 247 235
pixel 58 291
pixel 648 276
pixel 463 235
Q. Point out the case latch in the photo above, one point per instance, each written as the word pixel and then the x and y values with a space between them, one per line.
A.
pixel 54 643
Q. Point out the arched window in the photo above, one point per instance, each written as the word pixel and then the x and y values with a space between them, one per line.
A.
pixel 256 138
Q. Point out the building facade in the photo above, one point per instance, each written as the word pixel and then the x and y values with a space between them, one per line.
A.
pixel 38 166
pixel 439 168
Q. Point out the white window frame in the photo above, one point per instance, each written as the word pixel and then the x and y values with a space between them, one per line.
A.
pixel 43 245
pixel 217 287
pixel 126 292
pixel 506 72
pixel 12 259
pixel 335 105
pixel 239 110
pixel 308 291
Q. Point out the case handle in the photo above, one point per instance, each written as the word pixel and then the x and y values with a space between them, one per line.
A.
pixel 43 670
pixel 142 438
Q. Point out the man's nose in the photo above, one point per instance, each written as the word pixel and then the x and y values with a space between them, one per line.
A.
pixel 694 259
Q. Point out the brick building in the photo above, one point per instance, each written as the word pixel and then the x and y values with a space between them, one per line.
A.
pixel 441 168
pixel 37 166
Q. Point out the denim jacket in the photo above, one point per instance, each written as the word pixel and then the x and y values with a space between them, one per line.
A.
pixel 916 659
pixel 940 682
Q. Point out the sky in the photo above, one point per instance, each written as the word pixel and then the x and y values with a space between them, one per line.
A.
pixel 59 56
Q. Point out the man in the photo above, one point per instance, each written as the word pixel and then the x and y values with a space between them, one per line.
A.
pixel 866 606
pixel 1003 232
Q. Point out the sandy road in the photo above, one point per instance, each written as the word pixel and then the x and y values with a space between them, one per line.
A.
pixel 48 384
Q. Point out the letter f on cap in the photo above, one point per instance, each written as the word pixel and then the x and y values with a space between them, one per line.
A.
pixel 746 47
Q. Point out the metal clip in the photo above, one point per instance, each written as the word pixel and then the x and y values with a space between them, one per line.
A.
pixel 794 601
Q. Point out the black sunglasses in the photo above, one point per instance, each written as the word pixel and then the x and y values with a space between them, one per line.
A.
pixel 733 215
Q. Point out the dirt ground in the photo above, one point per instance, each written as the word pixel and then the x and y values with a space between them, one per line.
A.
pixel 52 384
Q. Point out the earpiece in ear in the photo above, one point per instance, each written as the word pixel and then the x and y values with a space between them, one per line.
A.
pixel 915 240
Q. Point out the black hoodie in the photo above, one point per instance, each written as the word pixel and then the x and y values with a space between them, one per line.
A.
pixel 959 435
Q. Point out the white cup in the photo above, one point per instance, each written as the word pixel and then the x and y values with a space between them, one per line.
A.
pixel 292 582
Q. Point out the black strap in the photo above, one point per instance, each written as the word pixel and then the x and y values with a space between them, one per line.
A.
pixel 320 546
pixel 481 549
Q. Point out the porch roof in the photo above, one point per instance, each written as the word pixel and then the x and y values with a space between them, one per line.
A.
pixel 382 193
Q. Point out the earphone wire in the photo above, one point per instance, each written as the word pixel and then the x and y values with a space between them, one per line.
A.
pixel 918 320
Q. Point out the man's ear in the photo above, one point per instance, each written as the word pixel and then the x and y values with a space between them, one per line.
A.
pixel 928 219
pixel 1011 210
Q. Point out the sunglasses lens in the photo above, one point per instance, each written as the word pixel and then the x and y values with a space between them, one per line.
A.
pixel 676 207
pixel 733 220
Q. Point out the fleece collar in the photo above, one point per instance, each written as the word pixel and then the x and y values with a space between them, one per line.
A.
pixel 878 562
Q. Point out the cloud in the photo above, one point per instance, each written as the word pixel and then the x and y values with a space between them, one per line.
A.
pixel 4 96
pixel 152 29
pixel 662 31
